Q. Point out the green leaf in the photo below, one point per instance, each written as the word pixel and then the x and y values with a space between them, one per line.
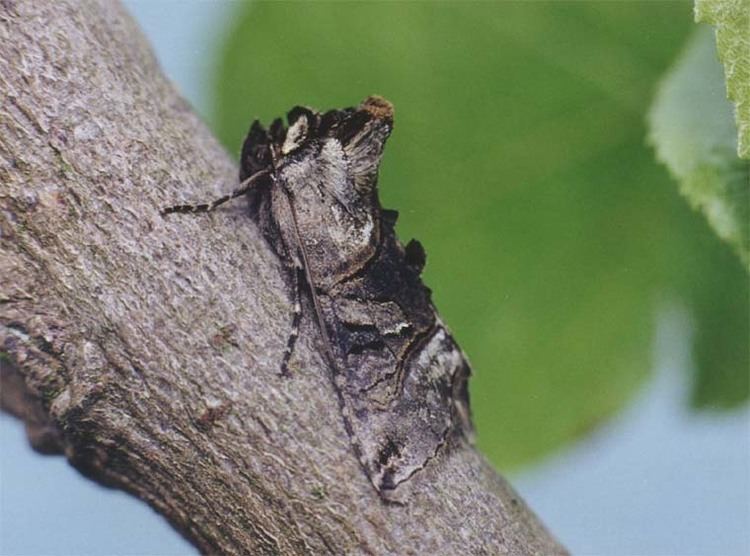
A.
pixel 732 21
pixel 721 349
pixel 518 159
pixel 693 133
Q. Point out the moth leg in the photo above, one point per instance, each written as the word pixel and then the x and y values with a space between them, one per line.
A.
pixel 296 318
pixel 244 187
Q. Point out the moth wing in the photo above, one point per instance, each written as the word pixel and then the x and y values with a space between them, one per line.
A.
pixel 403 388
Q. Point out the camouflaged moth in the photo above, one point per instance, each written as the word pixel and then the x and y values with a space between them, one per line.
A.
pixel 399 377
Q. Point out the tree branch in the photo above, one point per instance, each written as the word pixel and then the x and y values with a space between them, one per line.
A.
pixel 147 349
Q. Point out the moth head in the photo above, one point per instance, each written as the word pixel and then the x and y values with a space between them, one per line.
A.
pixel 371 121
pixel 359 133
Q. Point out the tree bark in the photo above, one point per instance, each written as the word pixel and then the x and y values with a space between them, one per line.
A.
pixel 147 349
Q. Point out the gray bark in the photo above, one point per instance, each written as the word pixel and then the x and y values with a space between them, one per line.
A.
pixel 147 349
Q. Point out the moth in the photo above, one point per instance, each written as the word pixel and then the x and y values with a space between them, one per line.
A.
pixel 398 375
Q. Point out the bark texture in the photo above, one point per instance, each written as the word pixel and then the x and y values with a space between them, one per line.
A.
pixel 147 349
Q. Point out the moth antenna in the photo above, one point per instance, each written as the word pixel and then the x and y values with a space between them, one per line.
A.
pixel 245 187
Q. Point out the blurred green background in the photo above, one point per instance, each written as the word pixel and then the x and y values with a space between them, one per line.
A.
pixel 519 159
